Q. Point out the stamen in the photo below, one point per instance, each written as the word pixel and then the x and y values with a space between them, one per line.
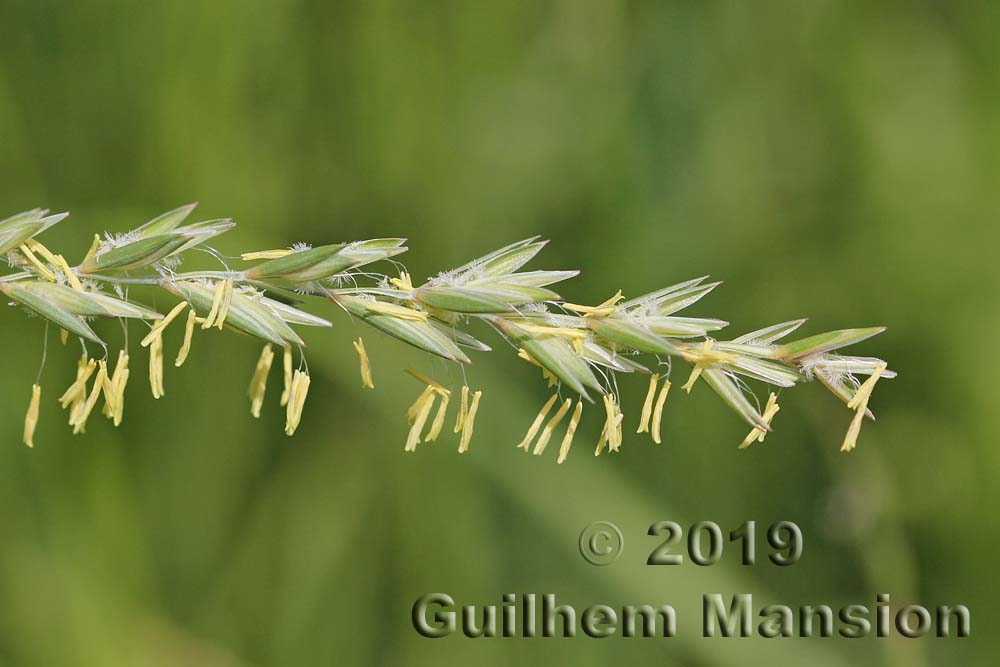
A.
pixel 758 434
pixel 265 254
pixel 80 423
pixel 419 411
pixel 865 390
pixel 41 268
pixel 220 290
pixel 402 312
pixel 258 384
pixel 658 411
pixel 40 249
pixel 185 350
pixel 366 369
pixel 156 367
pixel 438 422
pixel 562 332
pixel 110 397
pixel 647 406
pixel 119 380
pixel 58 261
pixel 606 308
pixel 63 336
pixel 567 441
pixel 537 424
pixel 695 374
pixel 470 423
pixel 402 282
pixel 31 418
pixel 84 370
pixel 860 404
pixel 94 247
pixel 702 359
pixel 297 400
pixel 543 439
pixel 414 410
pixel 612 422
pixel 463 410
pixel 286 393
pixel 601 441
pixel 158 328
pixel 227 301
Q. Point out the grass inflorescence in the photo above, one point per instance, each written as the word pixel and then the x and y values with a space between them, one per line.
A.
pixel 580 350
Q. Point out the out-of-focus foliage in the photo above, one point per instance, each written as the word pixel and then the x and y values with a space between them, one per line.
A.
pixel 833 159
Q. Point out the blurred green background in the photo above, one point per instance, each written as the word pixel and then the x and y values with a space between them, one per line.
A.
pixel 825 159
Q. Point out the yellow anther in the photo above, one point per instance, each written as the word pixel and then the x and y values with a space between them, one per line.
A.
pixel 227 301
pixel 402 282
pixel 31 418
pixel 463 410
pixel 220 293
pixel 185 350
pixel 287 362
pixel 758 434
pixel 395 310
pixel 56 260
pixel 865 390
pixel 366 368
pixel 42 270
pixel 561 332
pixel 612 433
pixel 94 247
pixel 658 410
pixel 567 440
pixel 111 385
pixel 601 441
pixel 63 336
pixel 608 307
pixel 115 409
pixel 860 404
pixel 470 423
pixel 438 422
pixel 84 370
pixel 613 300
pixel 537 424
pixel 156 367
pixel 258 384
pixel 108 390
pixel 71 278
pixel 42 251
pixel 417 416
pixel 702 359
pixel 543 439
pixel 162 324
pixel 80 422
pixel 296 401
pixel 647 406
pixel 265 254
pixel 414 409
